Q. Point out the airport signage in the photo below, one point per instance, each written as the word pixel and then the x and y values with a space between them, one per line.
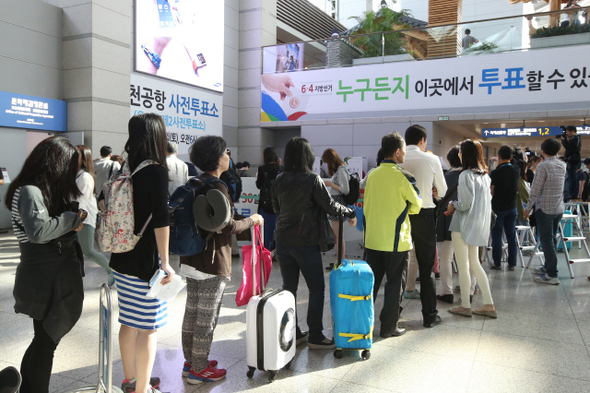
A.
pixel 30 112
pixel 529 131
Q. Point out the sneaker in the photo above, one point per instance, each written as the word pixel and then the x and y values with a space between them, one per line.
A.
pixel 209 374
pixel 301 336
pixel 545 279
pixel 437 276
pixel 539 270
pixel 494 267
pixel 415 294
pixel 511 268
pixel 326 343
pixel 186 368
pixel 128 386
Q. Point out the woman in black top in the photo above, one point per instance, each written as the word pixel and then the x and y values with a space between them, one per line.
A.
pixel 48 284
pixel 302 201
pixel 140 317
pixel 265 177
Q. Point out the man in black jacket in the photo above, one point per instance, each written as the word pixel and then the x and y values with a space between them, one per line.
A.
pixel 573 145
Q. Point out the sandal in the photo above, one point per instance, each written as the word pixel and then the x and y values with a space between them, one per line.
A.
pixel 464 312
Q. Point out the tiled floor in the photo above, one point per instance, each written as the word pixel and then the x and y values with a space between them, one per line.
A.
pixel 539 343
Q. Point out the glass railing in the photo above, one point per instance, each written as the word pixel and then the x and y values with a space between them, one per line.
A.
pixel 507 34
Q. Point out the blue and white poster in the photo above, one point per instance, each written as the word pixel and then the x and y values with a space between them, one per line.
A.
pixel 35 113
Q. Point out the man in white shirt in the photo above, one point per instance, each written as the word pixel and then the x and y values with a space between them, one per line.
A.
pixel 104 168
pixel 427 171
pixel 177 170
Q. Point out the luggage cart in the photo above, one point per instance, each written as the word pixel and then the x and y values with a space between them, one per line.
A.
pixel 105 347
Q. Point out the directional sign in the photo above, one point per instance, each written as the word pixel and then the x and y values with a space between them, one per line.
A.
pixel 521 132
pixel 529 131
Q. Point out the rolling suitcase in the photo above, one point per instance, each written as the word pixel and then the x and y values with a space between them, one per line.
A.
pixel 351 302
pixel 270 328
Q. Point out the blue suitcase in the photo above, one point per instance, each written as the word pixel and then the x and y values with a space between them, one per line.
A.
pixel 351 302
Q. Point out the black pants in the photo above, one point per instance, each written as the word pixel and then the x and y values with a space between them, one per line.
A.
pixel 395 266
pixel 37 363
pixel 424 237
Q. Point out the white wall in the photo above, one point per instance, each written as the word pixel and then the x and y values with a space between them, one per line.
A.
pixel 31 64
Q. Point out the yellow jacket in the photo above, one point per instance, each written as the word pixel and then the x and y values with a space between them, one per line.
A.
pixel 390 195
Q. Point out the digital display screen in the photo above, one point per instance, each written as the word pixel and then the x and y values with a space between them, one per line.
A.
pixel 181 40
pixel 37 113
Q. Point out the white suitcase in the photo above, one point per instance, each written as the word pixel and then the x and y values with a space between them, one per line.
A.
pixel 270 329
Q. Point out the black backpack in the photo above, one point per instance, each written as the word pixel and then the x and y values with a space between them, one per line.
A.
pixel 354 185
pixel 233 181
pixel 186 237
pixel 265 192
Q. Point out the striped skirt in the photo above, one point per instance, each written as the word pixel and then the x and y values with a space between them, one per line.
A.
pixel 135 309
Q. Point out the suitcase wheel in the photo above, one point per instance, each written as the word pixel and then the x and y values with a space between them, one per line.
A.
pixel 288 365
pixel 272 376
pixel 250 372
pixel 366 355
pixel 338 354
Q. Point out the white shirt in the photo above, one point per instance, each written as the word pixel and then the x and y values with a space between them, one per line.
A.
pixel 427 171
pixel 177 173
pixel 87 200
pixel 102 169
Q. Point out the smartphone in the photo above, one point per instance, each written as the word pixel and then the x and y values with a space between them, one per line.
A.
pixel 167 18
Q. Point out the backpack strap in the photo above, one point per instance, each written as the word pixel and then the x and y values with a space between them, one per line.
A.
pixel 143 165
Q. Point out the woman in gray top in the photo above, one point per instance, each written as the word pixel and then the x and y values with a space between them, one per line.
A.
pixel 339 186
pixel 48 283
pixel 470 227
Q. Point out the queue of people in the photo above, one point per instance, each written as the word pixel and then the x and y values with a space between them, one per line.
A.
pixel 54 205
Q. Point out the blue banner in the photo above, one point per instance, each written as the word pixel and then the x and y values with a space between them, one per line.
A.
pixel 520 132
pixel 22 111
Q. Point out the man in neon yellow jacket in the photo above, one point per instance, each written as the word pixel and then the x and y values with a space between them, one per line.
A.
pixel 390 196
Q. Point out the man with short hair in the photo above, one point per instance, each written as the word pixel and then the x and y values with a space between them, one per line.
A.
pixel 572 145
pixel 390 197
pixel 177 170
pixel 469 40
pixel 243 169
pixel 547 197
pixel 427 171
pixel 504 187
pixel 104 169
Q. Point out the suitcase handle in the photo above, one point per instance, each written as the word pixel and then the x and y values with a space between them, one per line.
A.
pixel 339 240
pixel 254 238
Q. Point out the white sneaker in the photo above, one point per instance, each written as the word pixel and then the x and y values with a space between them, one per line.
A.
pixel 539 270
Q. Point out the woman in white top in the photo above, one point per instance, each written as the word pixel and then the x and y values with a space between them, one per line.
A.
pixel 339 186
pixel 87 201
pixel 470 227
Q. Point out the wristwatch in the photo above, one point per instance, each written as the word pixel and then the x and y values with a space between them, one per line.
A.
pixel 153 56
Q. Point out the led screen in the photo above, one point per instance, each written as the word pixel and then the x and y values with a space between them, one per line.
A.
pixel 181 40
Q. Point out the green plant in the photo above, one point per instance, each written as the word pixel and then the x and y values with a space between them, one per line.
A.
pixel 384 20
pixel 483 46
pixel 558 30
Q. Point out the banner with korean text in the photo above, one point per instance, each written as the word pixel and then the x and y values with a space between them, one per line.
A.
pixel 559 75
pixel 187 112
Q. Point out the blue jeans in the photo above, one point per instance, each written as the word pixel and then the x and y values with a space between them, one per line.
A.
pixel 506 221
pixel 308 261
pixel 547 225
